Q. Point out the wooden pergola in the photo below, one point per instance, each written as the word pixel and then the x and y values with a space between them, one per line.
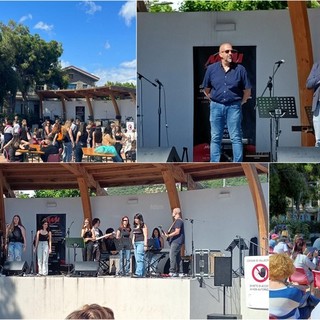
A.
pixel 304 59
pixel 112 92
pixel 98 177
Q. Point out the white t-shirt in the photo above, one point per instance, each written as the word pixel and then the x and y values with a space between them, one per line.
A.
pixel 281 247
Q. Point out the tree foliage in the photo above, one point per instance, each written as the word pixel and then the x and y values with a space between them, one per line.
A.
pixel 120 84
pixel 223 5
pixel 297 181
pixel 27 60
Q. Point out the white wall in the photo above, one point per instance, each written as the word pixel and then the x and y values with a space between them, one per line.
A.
pixel 165 51
pixel 217 221
pixel 101 109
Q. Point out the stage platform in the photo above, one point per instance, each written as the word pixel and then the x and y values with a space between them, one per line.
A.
pixel 54 297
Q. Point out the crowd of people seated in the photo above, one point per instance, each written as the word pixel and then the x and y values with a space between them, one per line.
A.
pixel 292 292
pixel 66 140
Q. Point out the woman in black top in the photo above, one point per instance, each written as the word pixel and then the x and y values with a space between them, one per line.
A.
pixel 123 233
pixel 43 247
pixel 139 241
pixel 15 239
pixel 88 237
pixel 81 141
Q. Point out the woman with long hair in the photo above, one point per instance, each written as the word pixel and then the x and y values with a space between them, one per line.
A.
pixel 13 146
pixel 89 238
pixel 123 233
pixel 15 239
pixel 43 247
pixel 68 141
pixel 109 141
pixel 139 242
pixel 81 141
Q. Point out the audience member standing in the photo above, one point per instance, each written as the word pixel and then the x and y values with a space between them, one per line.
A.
pixel 81 141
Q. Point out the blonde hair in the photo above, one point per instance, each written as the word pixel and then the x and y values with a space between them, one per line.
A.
pixel 280 266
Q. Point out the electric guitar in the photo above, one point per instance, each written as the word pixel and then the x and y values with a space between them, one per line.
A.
pixel 106 236
pixel 165 234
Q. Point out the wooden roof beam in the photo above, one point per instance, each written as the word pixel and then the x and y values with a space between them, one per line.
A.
pixel 170 183
pixel 304 59
pixel 90 107
pixel 79 171
pixel 115 105
pixel 259 204
pixel 5 185
pixel 85 198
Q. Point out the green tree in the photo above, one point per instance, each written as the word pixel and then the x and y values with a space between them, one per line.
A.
pixel 32 61
pixel 120 84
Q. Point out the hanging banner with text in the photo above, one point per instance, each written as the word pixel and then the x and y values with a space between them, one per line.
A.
pixel 257 281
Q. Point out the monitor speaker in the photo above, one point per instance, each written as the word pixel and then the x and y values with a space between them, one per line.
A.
pixel 157 154
pixel 223 271
pixel 15 268
pixel 86 268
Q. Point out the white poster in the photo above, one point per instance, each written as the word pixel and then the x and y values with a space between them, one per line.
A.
pixel 257 281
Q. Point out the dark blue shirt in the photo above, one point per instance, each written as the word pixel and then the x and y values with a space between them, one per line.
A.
pixel 179 239
pixel 226 87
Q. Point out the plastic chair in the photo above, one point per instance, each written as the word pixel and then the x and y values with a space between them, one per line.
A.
pixel 56 157
pixel 316 278
pixel 300 277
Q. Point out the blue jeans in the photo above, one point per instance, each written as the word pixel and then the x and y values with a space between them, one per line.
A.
pixel 43 257
pixel 15 251
pixel 139 256
pixel 231 115
pixel 125 259
pixel 175 257
pixel 67 152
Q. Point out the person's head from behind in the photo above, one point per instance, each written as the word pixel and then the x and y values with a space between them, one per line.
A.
pixel 92 311
pixel 280 267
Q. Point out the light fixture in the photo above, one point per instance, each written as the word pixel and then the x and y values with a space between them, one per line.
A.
pixel 225 26
pixel 132 201
pixel 51 204
pixel 224 194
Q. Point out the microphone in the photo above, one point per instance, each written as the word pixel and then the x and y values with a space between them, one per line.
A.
pixel 280 62
pixel 188 219
pixel 158 82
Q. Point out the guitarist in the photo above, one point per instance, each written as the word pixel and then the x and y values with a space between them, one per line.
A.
pixel 175 236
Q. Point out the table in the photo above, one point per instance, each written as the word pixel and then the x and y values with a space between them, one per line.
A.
pixel 89 153
pixel 35 154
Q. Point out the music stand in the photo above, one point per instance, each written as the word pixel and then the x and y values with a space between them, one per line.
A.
pixel 276 108
pixel 74 243
pixel 240 243
pixel 123 244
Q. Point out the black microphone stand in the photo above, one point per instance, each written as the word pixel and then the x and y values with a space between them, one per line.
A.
pixel 159 115
pixel 68 236
pixel 273 114
pixel 140 114
pixel 192 248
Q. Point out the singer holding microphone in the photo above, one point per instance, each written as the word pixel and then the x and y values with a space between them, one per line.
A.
pixel 176 238
pixel 313 82
pixel 227 86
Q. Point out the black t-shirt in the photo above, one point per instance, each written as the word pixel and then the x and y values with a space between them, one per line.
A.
pixel 16 235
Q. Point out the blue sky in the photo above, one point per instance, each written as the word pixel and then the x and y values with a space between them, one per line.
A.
pixel 97 36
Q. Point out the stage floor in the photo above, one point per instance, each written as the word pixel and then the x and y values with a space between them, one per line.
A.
pixel 54 297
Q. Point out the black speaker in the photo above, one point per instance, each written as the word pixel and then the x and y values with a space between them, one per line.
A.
pixel 15 268
pixel 86 268
pixel 157 154
pixel 298 154
pixel 223 271
pixel 253 250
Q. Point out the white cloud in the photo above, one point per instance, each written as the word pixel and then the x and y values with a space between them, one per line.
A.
pixel 125 72
pixel 44 26
pixel 65 64
pixel 128 11
pixel 90 7
pixel 26 17
pixel 107 45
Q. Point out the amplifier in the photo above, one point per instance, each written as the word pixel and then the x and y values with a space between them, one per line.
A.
pixel 202 262
pixel 212 255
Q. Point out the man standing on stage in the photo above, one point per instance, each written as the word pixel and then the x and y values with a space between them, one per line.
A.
pixel 227 86
pixel 313 82
pixel 175 237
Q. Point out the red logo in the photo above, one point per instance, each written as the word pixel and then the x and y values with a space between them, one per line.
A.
pixel 236 58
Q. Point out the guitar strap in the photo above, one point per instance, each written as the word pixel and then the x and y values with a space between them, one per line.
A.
pixel 169 230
